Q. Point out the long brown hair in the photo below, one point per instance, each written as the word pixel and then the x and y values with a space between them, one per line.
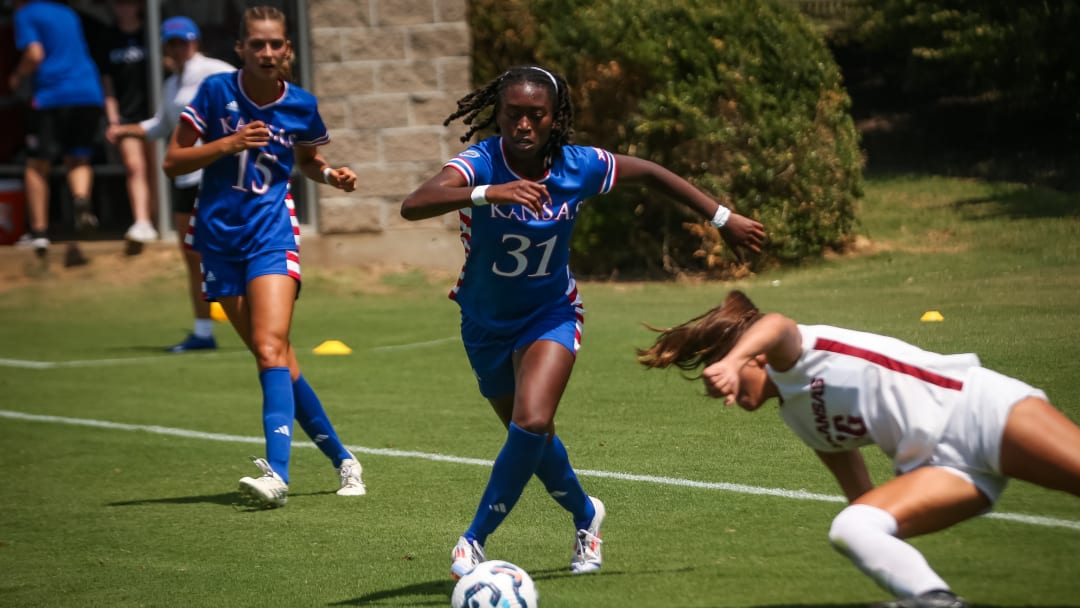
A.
pixel 267 13
pixel 704 339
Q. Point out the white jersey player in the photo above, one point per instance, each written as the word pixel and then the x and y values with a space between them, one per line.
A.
pixel 955 431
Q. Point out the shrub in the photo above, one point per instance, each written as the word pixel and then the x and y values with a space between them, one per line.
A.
pixel 742 98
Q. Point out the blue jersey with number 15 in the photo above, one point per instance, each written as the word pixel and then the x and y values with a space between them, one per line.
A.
pixel 517 261
pixel 242 205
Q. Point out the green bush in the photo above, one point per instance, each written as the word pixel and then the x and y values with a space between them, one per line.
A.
pixel 741 97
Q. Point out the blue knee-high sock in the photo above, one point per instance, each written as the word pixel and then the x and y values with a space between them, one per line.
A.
pixel 278 410
pixel 312 418
pixel 563 485
pixel 513 467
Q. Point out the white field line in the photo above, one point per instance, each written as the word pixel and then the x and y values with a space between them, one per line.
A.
pixel 1036 520
pixel 31 364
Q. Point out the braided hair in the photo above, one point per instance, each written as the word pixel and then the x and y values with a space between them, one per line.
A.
pixel 473 105
pixel 703 340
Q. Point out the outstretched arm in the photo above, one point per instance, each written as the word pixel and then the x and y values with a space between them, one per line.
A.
pixel 850 472
pixel 773 335
pixel 737 231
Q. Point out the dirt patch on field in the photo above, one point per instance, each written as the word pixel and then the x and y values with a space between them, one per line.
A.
pixel 334 264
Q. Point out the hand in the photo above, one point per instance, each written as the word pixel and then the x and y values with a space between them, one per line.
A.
pixel 342 179
pixel 254 134
pixel 114 133
pixel 741 231
pixel 13 82
pixel 522 192
pixel 722 381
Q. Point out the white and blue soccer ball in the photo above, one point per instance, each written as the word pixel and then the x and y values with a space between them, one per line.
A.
pixel 495 584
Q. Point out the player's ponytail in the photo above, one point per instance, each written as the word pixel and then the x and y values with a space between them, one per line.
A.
pixel 704 339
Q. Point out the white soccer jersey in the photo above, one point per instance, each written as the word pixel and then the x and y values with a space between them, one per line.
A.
pixel 849 389
pixel 176 93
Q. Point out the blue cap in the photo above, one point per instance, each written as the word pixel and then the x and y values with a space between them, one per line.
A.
pixel 179 28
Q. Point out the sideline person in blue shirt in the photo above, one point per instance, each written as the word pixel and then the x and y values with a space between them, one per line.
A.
pixel 65 112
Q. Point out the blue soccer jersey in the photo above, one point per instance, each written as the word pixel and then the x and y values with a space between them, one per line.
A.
pixel 243 208
pixel 517 261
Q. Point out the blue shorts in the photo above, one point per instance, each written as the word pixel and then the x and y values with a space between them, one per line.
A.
pixel 492 355
pixel 223 278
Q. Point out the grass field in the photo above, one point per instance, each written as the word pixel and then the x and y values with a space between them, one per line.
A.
pixel 118 464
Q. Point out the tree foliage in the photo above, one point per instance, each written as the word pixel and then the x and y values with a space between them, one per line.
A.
pixel 1023 51
pixel 742 98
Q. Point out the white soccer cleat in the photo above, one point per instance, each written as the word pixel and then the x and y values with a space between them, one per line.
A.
pixel 466 555
pixel 268 491
pixel 141 232
pixel 351 482
pixel 587 544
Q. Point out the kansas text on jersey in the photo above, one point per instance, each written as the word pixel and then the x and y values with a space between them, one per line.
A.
pixel 516 260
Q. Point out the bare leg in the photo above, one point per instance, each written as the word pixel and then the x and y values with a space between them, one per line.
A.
pixel 199 306
pixel 133 153
pixel 1042 446
pixel 543 370
pixel 925 500
pixel 80 177
pixel 262 320
pixel 36 177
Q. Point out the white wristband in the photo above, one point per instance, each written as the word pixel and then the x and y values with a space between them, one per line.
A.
pixel 479 196
pixel 326 174
pixel 722 214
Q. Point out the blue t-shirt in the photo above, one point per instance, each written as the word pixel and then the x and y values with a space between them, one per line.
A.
pixel 242 207
pixel 67 76
pixel 517 261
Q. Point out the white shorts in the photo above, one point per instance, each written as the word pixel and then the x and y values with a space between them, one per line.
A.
pixel 970 446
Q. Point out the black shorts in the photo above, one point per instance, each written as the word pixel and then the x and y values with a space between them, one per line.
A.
pixel 66 130
pixel 183 199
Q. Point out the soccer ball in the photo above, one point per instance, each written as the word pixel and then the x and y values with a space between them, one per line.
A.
pixel 495 584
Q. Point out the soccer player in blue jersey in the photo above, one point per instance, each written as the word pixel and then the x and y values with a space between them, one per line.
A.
pixel 255 125
pixel 518 195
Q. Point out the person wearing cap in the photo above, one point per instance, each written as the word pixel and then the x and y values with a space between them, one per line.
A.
pixel 180 38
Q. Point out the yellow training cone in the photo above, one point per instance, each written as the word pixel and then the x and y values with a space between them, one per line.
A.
pixel 217 313
pixel 332 347
pixel 931 315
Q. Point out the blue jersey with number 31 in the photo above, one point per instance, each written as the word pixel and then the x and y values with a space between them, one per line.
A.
pixel 517 261
pixel 242 205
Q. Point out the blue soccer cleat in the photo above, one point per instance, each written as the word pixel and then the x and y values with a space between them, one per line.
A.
pixel 193 342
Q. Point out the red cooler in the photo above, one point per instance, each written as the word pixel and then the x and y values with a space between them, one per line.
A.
pixel 12 210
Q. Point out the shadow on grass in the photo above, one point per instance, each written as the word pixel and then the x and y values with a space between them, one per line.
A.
pixel 230 499
pixel 867 604
pixel 441 589
pixel 1028 203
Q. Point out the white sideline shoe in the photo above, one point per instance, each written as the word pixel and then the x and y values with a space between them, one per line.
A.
pixel 269 491
pixel 587 543
pixel 141 232
pixel 466 555
pixel 351 482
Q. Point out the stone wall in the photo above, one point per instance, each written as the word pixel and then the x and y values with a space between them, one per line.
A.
pixel 387 72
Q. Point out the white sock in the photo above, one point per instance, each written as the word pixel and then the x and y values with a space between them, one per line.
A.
pixel 204 328
pixel 867 536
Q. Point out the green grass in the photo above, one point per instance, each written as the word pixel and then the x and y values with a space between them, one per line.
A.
pixel 111 517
